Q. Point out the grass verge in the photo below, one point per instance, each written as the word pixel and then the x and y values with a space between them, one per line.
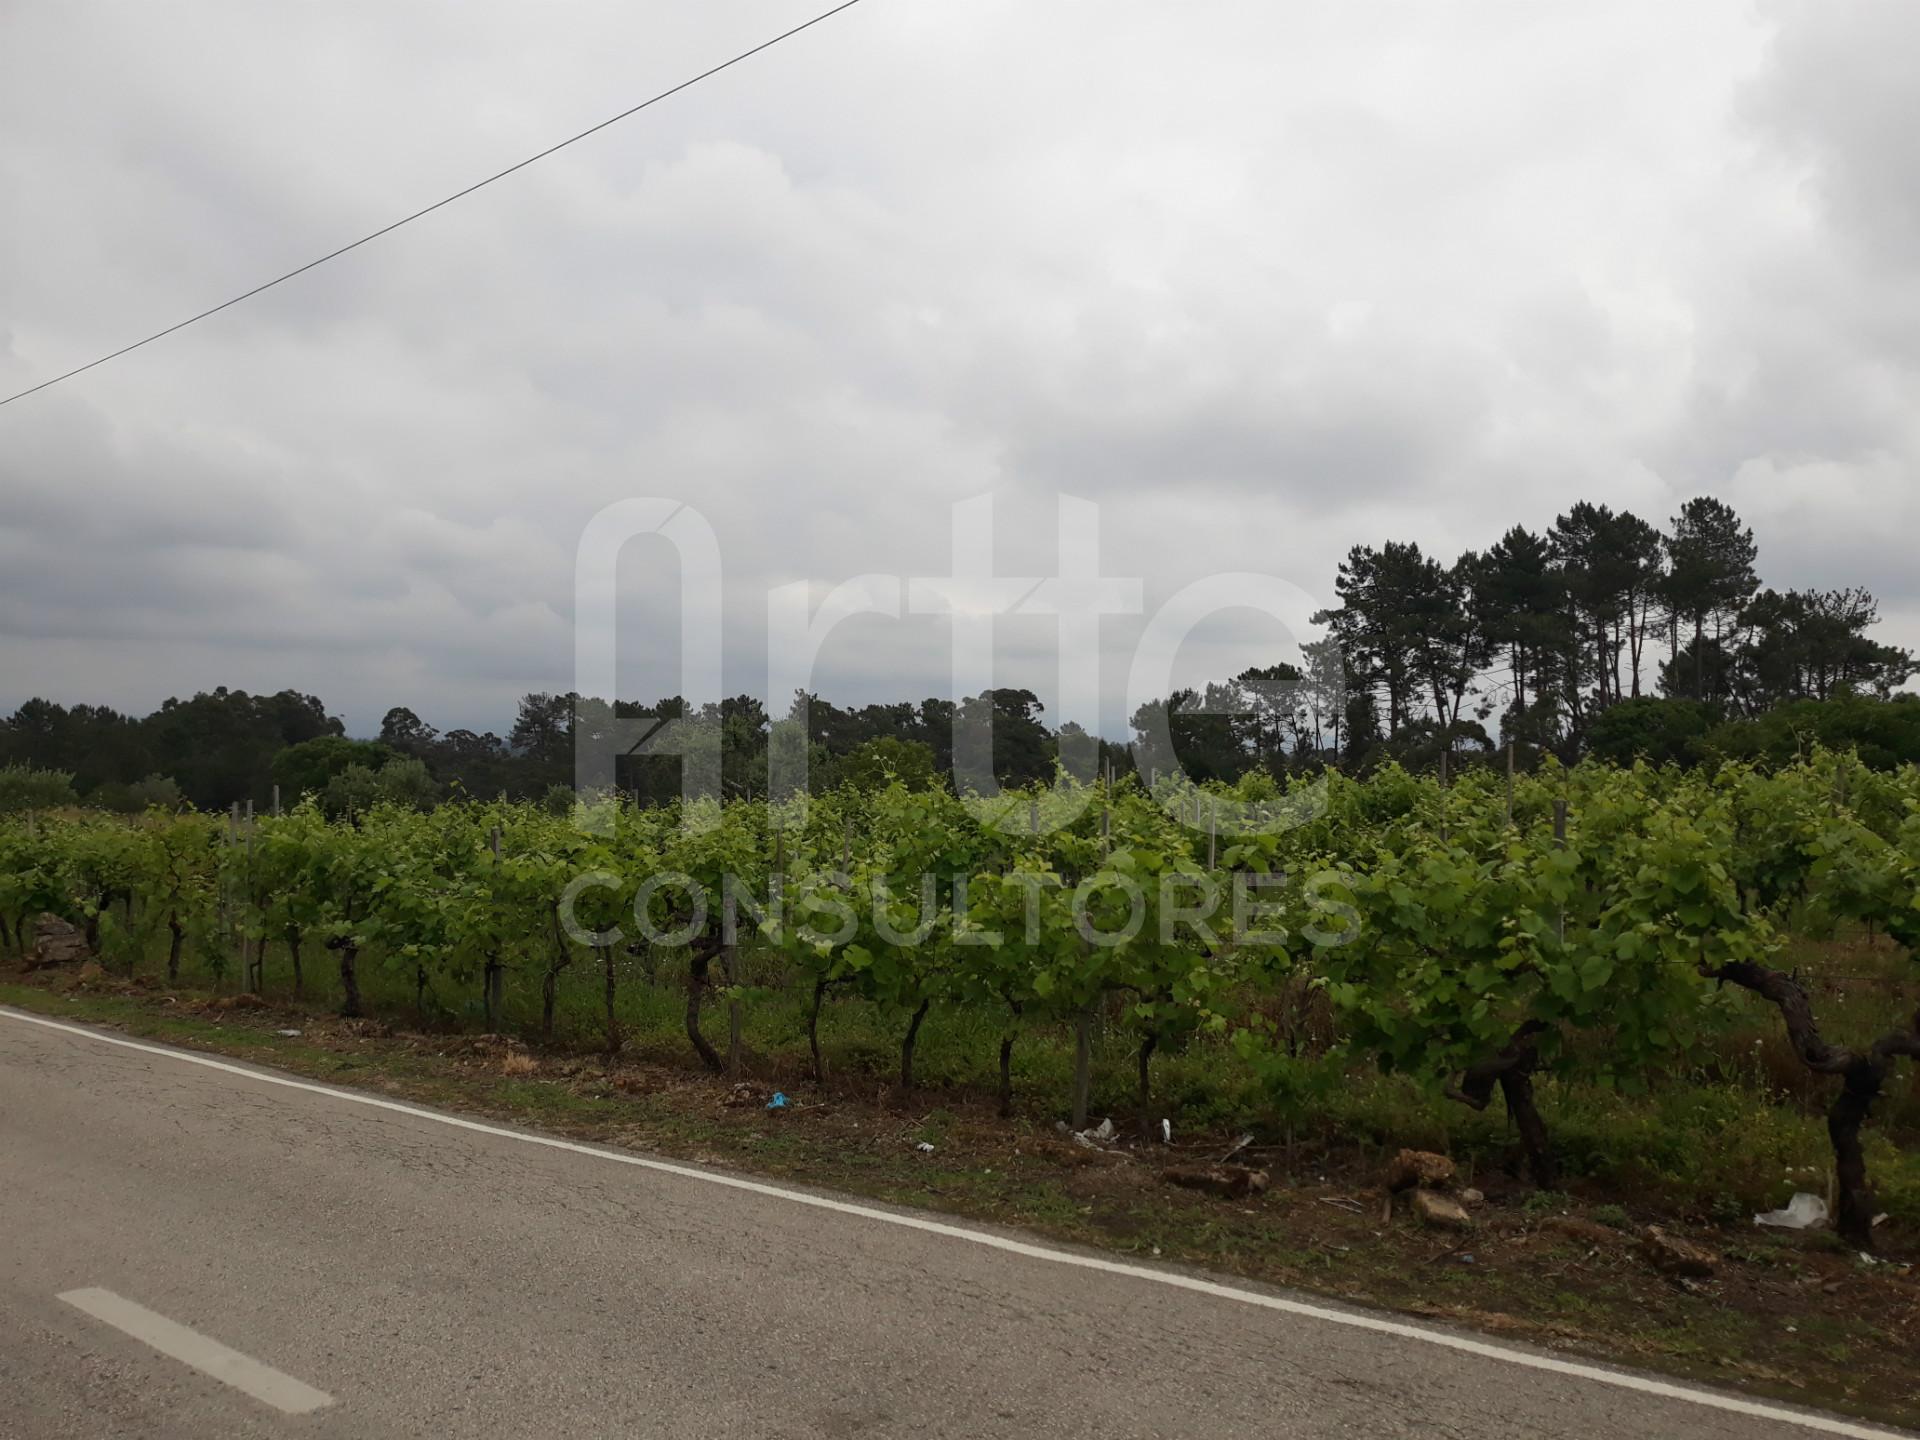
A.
pixel 1788 1316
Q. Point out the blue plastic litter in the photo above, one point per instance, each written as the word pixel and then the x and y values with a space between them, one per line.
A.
pixel 778 1102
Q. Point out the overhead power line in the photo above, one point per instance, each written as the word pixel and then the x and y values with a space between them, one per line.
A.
pixel 438 204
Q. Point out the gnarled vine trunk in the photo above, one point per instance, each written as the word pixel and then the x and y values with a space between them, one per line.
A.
pixel 813 1032
pixel 1082 1065
pixel 176 941
pixel 558 961
pixel 1148 1044
pixel 1862 1077
pixel 349 976
pixel 907 1043
pixel 736 1046
pixel 611 980
pixel 700 960
pixel 1512 1070
pixel 491 986
pixel 1006 1061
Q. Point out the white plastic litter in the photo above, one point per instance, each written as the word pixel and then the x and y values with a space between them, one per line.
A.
pixel 290 1034
pixel 1094 1136
pixel 924 1147
pixel 1803 1212
pixel 1166 1132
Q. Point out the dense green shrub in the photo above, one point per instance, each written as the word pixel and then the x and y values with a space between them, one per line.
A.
pixel 25 787
pixel 1664 732
pixel 311 766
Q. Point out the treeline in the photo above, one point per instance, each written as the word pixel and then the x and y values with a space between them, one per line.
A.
pixel 1602 636
pixel 215 749
pixel 1543 634
pixel 227 747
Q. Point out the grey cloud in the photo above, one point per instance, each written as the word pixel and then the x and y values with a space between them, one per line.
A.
pixel 1838 91
pixel 1264 282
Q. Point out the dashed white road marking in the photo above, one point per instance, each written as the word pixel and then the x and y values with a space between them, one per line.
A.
pixel 207 1355
pixel 1351 1319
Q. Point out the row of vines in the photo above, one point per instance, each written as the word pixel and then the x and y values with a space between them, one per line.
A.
pixel 1585 923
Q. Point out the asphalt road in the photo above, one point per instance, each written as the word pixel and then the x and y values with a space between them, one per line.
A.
pixel 425 1278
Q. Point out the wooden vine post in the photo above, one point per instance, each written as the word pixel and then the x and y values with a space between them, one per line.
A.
pixel 730 959
pixel 253 952
pixel 1560 843
pixel 1082 1061
pixel 492 983
pixel 226 881
pixel 1509 782
pixel 1083 1021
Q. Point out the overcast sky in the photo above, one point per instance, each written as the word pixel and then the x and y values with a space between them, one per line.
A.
pixel 1263 280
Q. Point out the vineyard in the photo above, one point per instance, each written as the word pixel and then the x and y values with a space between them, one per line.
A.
pixel 1583 932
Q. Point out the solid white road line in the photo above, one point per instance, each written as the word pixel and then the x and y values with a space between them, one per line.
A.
pixel 190 1347
pixel 1355 1320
